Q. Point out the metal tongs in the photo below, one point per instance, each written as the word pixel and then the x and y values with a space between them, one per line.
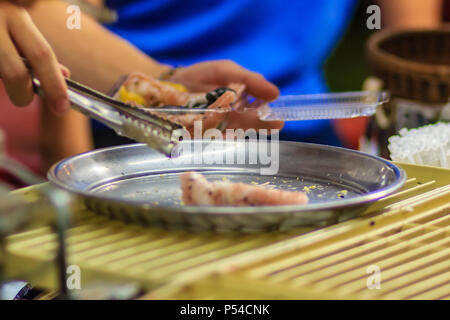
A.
pixel 133 122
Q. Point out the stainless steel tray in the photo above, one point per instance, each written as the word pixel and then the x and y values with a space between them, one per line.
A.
pixel 136 184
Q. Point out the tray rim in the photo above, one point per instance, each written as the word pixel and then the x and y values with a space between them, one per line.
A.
pixel 338 204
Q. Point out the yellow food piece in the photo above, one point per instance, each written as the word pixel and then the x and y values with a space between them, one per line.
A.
pixel 127 96
pixel 177 86
pixel 342 193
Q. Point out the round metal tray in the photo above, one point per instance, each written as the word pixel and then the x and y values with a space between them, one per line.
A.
pixel 136 184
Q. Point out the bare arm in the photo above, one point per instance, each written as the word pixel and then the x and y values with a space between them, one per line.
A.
pixel 95 56
pixel 63 136
pixel 411 13
pixel 98 58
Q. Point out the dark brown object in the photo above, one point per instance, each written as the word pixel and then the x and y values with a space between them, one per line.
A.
pixel 414 64
pixel 446 11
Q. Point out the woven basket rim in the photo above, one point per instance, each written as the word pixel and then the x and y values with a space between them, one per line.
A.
pixel 395 62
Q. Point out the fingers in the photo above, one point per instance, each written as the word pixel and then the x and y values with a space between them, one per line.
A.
pixel 42 60
pixel 257 85
pixel 13 72
pixel 65 71
pixel 250 120
pixel 224 72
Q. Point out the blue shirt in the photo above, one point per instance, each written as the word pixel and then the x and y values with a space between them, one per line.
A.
pixel 286 41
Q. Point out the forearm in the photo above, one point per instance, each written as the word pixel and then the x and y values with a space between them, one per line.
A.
pixel 95 56
pixel 411 13
pixel 63 136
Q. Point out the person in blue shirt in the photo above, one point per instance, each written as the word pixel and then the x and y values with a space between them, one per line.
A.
pixel 286 41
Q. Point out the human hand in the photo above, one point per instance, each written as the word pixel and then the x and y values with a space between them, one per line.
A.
pixel 20 37
pixel 206 76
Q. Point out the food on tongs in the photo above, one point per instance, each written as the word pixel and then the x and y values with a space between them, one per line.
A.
pixel 197 191
pixel 175 103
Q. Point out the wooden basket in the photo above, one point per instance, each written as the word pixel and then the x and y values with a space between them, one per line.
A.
pixel 414 64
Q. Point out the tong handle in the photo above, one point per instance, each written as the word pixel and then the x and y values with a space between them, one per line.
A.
pixel 78 101
pixel 101 106
pixel 124 108
pixel 94 109
pixel 135 123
